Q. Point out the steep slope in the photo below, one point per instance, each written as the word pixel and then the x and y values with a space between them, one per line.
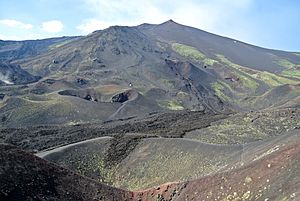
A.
pixel 210 44
pixel 242 70
pixel 187 70
pixel 106 64
pixel 13 74
pixel 113 48
pixel 273 177
pixel 26 177
pixel 268 171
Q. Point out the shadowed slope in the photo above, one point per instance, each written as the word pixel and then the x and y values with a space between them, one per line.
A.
pixel 27 177
pixel 13 74
pixel 272 174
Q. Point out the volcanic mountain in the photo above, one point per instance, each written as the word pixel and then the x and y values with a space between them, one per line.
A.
pixel 150 112
pixel 188 69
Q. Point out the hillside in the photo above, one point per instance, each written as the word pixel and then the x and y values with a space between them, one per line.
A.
pixel 165 72
pixel 161 112
pixel 14 74
pixel 262 170
pixel 12 50
pixel 26 177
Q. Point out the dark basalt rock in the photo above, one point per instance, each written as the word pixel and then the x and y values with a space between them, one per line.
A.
pixel 120 98
pixel 81 81
pixel 49 81
pixel 3 119
pixel 86 94
pixel 2 96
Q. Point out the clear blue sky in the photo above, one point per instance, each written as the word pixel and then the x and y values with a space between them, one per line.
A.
pixel 267 23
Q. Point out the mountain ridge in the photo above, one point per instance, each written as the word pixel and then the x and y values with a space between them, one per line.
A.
pixel 174 110
pixel 170 66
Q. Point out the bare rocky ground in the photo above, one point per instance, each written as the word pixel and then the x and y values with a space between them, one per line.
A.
pixel 112 117
pixel 256 169
pixel 274 175
pixel 24 176
pixel 174 124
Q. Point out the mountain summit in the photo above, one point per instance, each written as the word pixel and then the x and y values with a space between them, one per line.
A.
pixel 150 68
pixel 147 113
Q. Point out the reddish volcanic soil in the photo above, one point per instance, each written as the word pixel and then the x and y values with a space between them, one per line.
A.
pixel 275 176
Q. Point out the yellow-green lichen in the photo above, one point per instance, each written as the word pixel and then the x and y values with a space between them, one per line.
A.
pixel 286 63
pixel 248 179
pixel 292 73
pixel 171 105
pixel 246 80
pixel 273 80
pixel 192 53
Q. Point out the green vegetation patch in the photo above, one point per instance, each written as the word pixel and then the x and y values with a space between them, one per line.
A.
pixel 172 105
pixel 245 128
pixel 242 72
pixel 243 91
pixel 192 53
pixel 87 159
pixel 270 79
pixel 277 96
pixel 94 166
pixel 219 89
pixel 291 73
pixel 157 161
pixel 274 80
pixel 286 63
pixel 30 110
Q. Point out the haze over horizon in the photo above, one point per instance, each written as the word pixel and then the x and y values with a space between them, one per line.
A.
pixel 262 23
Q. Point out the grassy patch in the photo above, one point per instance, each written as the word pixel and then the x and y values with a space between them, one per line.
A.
pixel 270 79
pixel 243 73
pixel 286 63
pixel 245 128
pixel 158 161
pixel 219 90
pixel 188 51
pixel 192 53
pixel 95 165
pixel 171 105
pixel 291 73
pixel 273 80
